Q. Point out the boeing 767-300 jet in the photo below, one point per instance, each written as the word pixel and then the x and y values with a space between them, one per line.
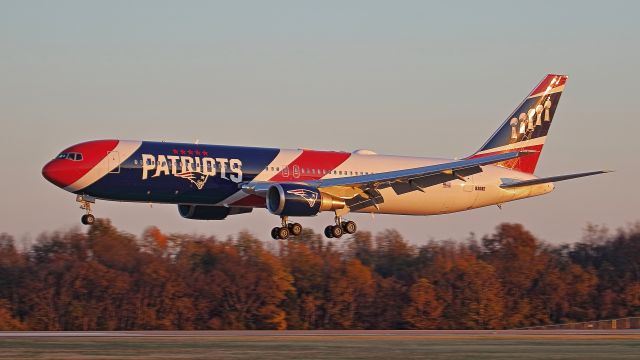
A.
pixel 211 182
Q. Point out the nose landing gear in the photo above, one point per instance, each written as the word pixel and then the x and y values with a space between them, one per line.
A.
pixel 85 204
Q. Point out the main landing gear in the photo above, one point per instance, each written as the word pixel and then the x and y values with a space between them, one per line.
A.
pixel 287 229
pixel 340 228
pixel 85 204
pixel 332 231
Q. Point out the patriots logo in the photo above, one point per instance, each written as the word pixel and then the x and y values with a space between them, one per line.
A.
pixel 196 177
pixel 310 196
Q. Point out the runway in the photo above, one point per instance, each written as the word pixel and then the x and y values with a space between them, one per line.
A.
pixel 322 344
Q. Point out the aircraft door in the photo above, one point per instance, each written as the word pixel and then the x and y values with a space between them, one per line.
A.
pixel 113 162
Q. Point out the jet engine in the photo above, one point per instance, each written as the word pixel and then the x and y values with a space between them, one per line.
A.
pixel 204 212
pixel 290 199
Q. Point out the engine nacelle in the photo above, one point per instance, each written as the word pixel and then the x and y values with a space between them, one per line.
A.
pixel 290 199
pixel 204 212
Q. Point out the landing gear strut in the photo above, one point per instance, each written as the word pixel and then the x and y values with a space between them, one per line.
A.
pixel 283 232
pixel 85 204
pixel 340 228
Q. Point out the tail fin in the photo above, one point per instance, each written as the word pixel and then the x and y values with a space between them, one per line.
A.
pixel 527 127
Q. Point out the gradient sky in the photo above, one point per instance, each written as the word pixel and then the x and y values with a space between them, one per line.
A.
pixel 397 77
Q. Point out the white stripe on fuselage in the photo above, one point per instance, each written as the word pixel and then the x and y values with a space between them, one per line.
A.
pixel 125 148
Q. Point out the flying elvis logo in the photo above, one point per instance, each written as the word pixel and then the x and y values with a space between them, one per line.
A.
pixel 195 169
pixel 308 195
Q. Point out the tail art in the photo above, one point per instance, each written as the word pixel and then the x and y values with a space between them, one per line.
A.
pixel 527 127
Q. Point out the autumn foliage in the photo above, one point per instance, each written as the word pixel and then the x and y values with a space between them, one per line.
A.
pixel 104 279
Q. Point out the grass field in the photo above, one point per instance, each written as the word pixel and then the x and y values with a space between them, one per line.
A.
pixel 324 347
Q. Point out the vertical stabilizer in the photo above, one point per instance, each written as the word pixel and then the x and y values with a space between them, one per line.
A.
pixel 527 126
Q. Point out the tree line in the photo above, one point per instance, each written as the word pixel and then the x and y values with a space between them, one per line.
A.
pixel 105 279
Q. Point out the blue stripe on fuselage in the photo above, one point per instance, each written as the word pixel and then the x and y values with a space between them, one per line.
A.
pixel 182 187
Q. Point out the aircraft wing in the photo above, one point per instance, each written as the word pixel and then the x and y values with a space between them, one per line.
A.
pixel 510 183
pixel 420 177
pixel 363 190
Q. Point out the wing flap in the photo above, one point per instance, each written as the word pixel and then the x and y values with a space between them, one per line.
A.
pixel 419 183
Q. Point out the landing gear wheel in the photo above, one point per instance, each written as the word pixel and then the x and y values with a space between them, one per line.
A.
pixel 327 232
pixel 336 231
pixel 349 227
pixel 274 233
pixel 295 229
pixel 283 233
pixel 88 219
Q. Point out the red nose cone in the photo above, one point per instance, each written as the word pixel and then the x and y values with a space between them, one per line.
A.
pixel 57 173
pixel 65 171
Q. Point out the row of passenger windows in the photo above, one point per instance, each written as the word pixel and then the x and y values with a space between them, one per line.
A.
pixel 306 171
pixel 70 156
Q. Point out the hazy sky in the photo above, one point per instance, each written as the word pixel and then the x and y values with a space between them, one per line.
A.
pixel 398 77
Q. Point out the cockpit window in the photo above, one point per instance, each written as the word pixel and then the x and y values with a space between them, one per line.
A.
pixel 70 156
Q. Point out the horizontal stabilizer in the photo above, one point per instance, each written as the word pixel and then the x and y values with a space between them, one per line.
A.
pixel 515 184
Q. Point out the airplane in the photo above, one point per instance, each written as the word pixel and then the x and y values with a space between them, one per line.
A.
pixel 212 182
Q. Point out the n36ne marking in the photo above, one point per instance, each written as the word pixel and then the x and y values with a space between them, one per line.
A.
pixel 230 169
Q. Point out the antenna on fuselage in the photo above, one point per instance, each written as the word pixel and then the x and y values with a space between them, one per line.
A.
pixel 197 141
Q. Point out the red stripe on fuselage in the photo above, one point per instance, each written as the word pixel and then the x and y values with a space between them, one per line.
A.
pixel 525 163
pixel 308 164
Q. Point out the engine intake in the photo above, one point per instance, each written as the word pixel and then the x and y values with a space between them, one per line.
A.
pixel 289 199
pixel 204 212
